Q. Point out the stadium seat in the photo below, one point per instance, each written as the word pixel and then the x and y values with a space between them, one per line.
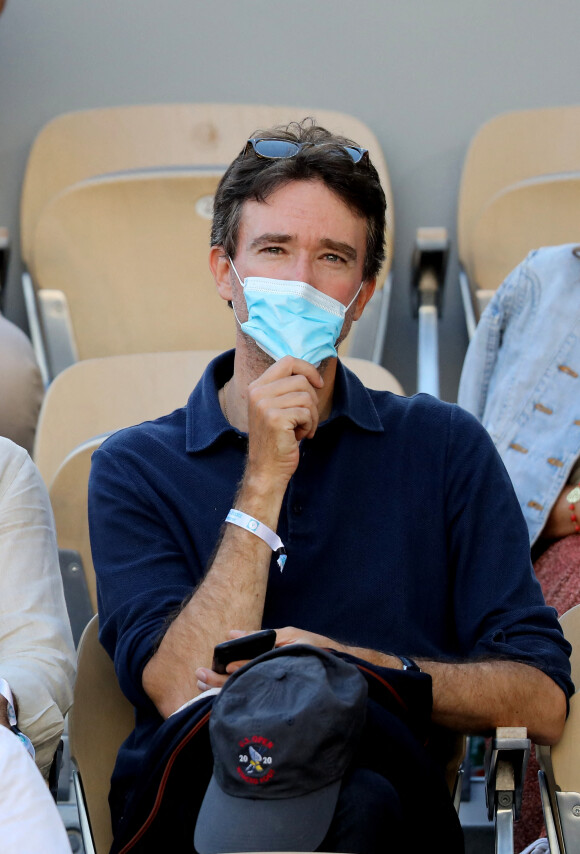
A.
pixel 525 216
pixel 559 776
pixel 507 150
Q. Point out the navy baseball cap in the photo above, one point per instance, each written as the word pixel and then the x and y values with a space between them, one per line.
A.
pixel 284 730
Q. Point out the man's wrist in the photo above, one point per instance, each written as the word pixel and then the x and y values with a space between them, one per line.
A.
pixel 258 529
pixel 408 663
pixel 260 497
pixel 263 484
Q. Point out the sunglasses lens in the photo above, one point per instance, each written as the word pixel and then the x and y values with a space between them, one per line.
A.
pixel 275 148
pixel 356 153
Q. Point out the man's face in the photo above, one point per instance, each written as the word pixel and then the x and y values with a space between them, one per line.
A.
pixel 303 232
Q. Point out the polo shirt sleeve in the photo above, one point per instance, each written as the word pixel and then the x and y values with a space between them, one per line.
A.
pixel 141 561
pixel 499 606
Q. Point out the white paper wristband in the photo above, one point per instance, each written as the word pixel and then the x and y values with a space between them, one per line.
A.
pixel 6 692
pixel 242 520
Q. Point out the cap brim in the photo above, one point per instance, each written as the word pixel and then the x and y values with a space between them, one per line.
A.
pixel 227 824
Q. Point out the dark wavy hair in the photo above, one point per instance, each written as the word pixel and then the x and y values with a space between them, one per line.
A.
pixel 250 177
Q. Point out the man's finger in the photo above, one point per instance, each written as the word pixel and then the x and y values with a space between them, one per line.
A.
pixel 289 366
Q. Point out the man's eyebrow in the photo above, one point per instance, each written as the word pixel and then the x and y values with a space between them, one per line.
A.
pixel 342 248
pixel 269 237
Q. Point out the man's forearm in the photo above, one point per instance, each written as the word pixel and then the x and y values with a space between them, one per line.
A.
pixel 231 596
pixel 477 697
pixel 472 697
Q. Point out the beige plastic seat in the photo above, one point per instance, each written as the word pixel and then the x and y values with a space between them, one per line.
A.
pixel 101 718
pixel 98 396
pixel 120 265
pixel 69 500
pixel 508 149
pixel 145 141
pixel 534 213
pixel 560 765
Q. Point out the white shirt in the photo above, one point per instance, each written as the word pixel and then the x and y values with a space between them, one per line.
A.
pixel 29 820
pixel 37 655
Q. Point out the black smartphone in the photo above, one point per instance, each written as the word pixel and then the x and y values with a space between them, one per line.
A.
pixel 242 649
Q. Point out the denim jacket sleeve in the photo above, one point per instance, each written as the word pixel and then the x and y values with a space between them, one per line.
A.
pixel 483 351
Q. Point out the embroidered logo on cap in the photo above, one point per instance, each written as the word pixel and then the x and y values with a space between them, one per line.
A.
pixel 255 760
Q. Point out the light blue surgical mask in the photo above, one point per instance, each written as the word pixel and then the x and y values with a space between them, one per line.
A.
pixel 292 318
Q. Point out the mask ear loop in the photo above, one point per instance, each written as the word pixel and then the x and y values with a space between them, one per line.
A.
pixel 354 297
pixel 235 271
pixel 242 285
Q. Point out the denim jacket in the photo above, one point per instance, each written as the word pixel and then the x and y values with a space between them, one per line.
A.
pixel 521 377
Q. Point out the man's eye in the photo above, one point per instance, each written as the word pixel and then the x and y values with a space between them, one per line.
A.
pixel 334 259
pixel 272 250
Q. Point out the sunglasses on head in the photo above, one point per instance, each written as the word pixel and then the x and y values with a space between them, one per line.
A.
pixel 276 149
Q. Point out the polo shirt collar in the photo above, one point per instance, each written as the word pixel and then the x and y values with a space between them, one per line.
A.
pixel 205 422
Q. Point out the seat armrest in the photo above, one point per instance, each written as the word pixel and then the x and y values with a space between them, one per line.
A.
pixel 428 270
pixel 506 761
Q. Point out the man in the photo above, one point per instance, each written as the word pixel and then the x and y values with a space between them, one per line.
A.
pixel 392 519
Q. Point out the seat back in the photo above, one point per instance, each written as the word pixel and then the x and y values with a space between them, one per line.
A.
pixel 129 254
pixel 69 500
pixel 511 148
pixel 560 764
pixel 100 719
pixel 570 622
pixel 534 213
pixel 102 395
pixel 508 150
pixel 83 144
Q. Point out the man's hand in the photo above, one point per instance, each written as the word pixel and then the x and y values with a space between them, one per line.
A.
pixel 207 678
pixel 282 410
pixel 290 634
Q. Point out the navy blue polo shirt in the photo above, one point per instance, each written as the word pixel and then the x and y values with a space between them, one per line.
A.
pixel 402 530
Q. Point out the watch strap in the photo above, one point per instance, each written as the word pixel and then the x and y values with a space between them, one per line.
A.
pixel 408 663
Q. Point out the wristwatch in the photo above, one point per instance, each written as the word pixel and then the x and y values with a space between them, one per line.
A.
pixel 408 663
